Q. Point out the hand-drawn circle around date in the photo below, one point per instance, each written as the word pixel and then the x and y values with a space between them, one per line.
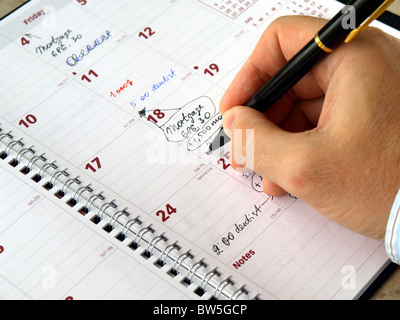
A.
pixel 1 249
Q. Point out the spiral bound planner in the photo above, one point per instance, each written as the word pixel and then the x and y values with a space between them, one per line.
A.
pixel 106 188
pixel 130 230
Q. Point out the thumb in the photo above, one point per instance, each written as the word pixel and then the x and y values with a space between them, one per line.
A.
pixel 283 159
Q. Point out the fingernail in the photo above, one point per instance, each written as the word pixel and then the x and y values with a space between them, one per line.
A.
pixel 238 168
pixel 243 170
pixel 228 119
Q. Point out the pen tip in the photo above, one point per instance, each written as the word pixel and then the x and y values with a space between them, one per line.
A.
pixel 220 140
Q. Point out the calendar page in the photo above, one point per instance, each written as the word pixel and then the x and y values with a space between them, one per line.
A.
pixel 48 253
pixel 108 109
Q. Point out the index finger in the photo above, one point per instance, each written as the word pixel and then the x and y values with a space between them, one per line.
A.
pixel 279 43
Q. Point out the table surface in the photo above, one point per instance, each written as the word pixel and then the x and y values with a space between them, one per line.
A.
pixel 390 290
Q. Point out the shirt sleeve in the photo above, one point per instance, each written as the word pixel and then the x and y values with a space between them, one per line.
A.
pixel 392 236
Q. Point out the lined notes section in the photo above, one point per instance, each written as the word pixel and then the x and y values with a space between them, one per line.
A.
pixel 315 259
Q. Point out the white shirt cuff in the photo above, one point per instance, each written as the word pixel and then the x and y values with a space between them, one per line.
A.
pixel 392 237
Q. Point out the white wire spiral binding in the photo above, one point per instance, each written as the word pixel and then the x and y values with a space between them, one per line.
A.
pixel 55 176
pixel 93 198
pixel 79 192
pixel 22 152
pixel 156 244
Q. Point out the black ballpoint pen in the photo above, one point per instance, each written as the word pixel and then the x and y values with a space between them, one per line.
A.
pixel 325 41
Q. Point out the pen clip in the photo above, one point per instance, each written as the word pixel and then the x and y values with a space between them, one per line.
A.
pixel 367 22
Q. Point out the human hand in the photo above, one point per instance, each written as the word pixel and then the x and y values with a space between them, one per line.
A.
pixel 334 139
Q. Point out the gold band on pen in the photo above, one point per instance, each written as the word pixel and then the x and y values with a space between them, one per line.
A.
pixel 321 45
pixel 367 22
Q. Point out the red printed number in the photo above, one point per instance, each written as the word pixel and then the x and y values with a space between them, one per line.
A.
pixel 82 2
pixel 97 163
pixel 1 249
pixel 29 119
pixel 158 114
pixel 24 42
pixel 147 33
pixel 210 69
pixel 223 162
pixel 90 73
pixel 166 215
